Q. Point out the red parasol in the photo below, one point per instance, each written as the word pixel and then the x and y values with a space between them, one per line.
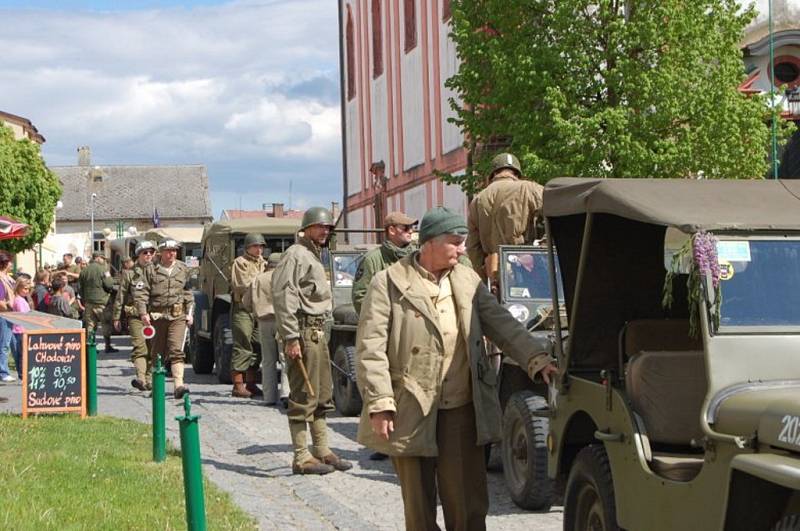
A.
pixel 11 229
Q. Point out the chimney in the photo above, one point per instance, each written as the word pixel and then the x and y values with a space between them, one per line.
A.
pixel 84 156
pixel 277 210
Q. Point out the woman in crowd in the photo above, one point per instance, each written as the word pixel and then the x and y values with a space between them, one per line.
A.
pixel 22 291
pixel 6 305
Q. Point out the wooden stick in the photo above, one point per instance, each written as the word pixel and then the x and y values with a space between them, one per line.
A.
pixel 305 376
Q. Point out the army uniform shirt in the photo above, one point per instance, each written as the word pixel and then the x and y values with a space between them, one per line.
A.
pixel 244 271
pixel 127 284
pixel 164 291
pixel 299 286
pixel 96 284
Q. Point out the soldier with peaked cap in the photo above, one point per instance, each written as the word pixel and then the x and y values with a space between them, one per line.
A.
pixel 245 362
pixel 429 390
pixel 301 297
pixel 124 307
pixel 503 213
pixel 164 300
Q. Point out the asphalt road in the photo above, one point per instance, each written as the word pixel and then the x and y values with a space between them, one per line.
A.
pixel 246 451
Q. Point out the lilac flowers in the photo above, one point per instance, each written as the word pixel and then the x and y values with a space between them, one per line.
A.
pixel 704 251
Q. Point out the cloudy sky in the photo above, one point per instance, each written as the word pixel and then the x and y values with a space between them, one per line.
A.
pixel 249 88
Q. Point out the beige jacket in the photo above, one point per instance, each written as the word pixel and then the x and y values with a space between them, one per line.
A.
pixel 244 270
pixel 299 286
pixel 258 297
pixel 399 349
pixel 504 213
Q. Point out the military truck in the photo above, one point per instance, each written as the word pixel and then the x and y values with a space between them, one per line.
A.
pixel 677 402
pixel 210 340
pixel 525 290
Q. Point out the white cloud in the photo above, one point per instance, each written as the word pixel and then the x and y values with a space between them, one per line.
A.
pixel 248 88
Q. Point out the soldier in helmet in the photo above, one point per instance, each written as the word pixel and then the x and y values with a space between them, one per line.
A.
pixel 163 299
pixel 504 213
pixel 245 362
pixel 96 286
pixel 124 308
pixel 301 297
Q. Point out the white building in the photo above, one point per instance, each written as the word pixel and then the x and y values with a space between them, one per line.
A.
pixel 396 57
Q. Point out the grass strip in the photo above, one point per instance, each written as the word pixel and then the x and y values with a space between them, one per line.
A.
pixel 62 472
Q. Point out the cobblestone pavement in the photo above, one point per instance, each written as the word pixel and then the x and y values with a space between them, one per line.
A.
pixel 246 451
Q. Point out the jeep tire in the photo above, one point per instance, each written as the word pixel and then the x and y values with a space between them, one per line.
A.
pixel 589 500
pixel 345 392
pixel 201 353
pixel 524 452
pixel 223 347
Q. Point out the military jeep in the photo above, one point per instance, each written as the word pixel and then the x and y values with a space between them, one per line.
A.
pixel 343 265
pixel 210 339
pixel 677 405
pixel 525 291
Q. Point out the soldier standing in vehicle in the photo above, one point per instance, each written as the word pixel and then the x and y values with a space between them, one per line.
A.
pixel 430 395
pixel 503 213
pixel 398 229
pixel 258 299
pixel 245 362
pixel 302 302
pixel 96 286
pixel 130 280
pixel 165 301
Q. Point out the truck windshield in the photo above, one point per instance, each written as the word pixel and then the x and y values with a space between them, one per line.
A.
pixel 526 277
pixel 760 282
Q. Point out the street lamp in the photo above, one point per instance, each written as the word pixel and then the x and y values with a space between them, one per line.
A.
pixel 94 196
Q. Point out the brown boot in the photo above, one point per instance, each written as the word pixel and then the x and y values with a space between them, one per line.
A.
pixel 239 390
pixel 312 466
pixel 252 376
pixel 336 462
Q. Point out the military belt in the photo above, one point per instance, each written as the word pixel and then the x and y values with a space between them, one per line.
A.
pixel 311 321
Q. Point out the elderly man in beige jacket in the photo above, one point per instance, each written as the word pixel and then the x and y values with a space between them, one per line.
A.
pixel 258 300
pixel 429 389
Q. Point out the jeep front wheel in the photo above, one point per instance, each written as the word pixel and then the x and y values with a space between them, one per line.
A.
pixel 201 353
pixel 524 452
pixel 789 523
pixel 345 392
pixel 589 501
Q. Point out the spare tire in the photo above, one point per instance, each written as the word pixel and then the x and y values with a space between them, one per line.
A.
pixel 345 392
pixel 223 347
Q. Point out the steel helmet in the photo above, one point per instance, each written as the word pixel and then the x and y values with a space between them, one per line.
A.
pixel 317 216
pixel 506 160
pixel 169 244
pixel 143 246
pixel 254 239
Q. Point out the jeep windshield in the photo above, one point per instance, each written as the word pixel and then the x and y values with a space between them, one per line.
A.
pixel 344 269
pixel 760 283
pixel 526 275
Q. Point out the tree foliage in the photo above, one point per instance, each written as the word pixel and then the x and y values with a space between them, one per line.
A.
pixel 608 88
pixel 28 189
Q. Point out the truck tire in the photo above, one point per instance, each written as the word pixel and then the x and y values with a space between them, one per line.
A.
pixel 345 392
pixel 789 523
pixel 589 501
pixel 223 347
pixel 524 452
pixel 201 352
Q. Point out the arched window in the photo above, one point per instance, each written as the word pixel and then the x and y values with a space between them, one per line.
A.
pixel 377 39
pixel 446 13
pixel 410 12
pixel 351 56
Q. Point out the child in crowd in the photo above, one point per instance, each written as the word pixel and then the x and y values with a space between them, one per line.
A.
pixel 22 291
pixel 41 290
pixel 58 301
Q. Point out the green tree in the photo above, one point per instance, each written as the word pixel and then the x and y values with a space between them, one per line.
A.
pixel 28 189
pixel 608 88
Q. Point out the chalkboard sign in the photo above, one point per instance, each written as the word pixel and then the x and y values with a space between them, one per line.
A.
pixel 53 371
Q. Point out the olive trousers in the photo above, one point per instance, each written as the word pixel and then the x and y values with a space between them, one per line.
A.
pixel 95 315
pixel 270 355
pixel 245 332
pixel 458 473
pixel 139 355
pixel 168 341
pixel 302 406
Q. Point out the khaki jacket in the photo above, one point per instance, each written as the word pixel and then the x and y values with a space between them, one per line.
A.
pixel 299 286
pixel 399 349
pixel 164 294
pixel 96 284
pixel 258 297
pixel 244 271
pixel 504 213
pixel 123 301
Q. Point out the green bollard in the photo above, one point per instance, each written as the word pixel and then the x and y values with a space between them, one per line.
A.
pixel 192 470
pixel 159 413
pixel 91 376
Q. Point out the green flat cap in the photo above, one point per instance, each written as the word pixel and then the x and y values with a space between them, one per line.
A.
pixel 441 220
